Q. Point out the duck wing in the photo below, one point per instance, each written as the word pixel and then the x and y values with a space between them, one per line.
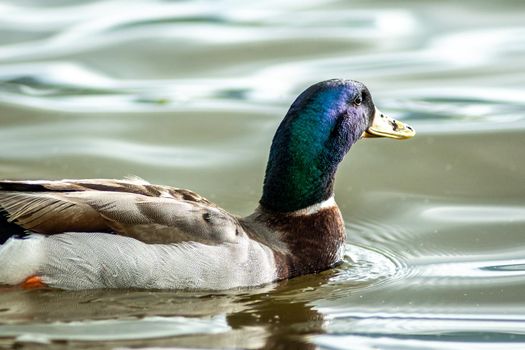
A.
pixel 131 207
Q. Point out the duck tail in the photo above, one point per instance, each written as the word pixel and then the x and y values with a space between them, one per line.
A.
pixel 21 259
pixel 9 229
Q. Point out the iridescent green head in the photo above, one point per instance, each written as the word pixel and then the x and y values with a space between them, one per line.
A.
pixel 316 133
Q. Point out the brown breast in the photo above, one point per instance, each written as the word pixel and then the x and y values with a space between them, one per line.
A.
pixel 313 240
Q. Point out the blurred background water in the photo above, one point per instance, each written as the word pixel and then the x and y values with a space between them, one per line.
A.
pixel 189 93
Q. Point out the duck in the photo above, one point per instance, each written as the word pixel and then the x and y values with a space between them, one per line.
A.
pixel 104 233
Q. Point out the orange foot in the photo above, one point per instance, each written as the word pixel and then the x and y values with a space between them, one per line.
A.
pixel 33 282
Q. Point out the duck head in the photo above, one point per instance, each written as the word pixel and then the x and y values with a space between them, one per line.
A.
pixel 313 138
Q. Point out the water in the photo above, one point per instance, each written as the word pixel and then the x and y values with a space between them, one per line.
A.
pixel 190 93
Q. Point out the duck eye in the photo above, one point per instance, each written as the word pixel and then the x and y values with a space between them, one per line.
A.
pixel 357 101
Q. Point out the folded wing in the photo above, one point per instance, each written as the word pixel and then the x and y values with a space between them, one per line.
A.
pixel 133 208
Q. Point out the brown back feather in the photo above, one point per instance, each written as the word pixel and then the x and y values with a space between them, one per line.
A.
pixel 135 208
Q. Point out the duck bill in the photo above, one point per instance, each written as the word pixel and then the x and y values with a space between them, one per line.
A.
pixel 384 126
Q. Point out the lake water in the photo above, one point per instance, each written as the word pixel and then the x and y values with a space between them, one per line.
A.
pixel 190 93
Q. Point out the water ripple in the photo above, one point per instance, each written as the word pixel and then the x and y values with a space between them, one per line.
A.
pixel 483 271
pixel 475 214
pixel 364 266
pixel 111 330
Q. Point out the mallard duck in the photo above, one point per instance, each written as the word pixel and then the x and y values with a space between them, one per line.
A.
pixel 80 234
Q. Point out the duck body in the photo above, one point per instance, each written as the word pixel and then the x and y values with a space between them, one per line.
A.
pixel 84 234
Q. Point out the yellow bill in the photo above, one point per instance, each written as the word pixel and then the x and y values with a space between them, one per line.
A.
pixel 384 126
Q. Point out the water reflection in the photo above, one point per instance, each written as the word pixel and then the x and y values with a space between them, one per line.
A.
pixel 285 322
pixel 113 330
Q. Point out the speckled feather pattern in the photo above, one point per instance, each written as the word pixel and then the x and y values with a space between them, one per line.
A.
pixel 98 260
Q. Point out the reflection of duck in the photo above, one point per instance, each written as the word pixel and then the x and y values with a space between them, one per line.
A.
pixel 287 314
pixel 77 234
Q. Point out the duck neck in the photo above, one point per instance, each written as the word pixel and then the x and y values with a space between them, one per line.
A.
pixel 302 164
pixel 294 187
